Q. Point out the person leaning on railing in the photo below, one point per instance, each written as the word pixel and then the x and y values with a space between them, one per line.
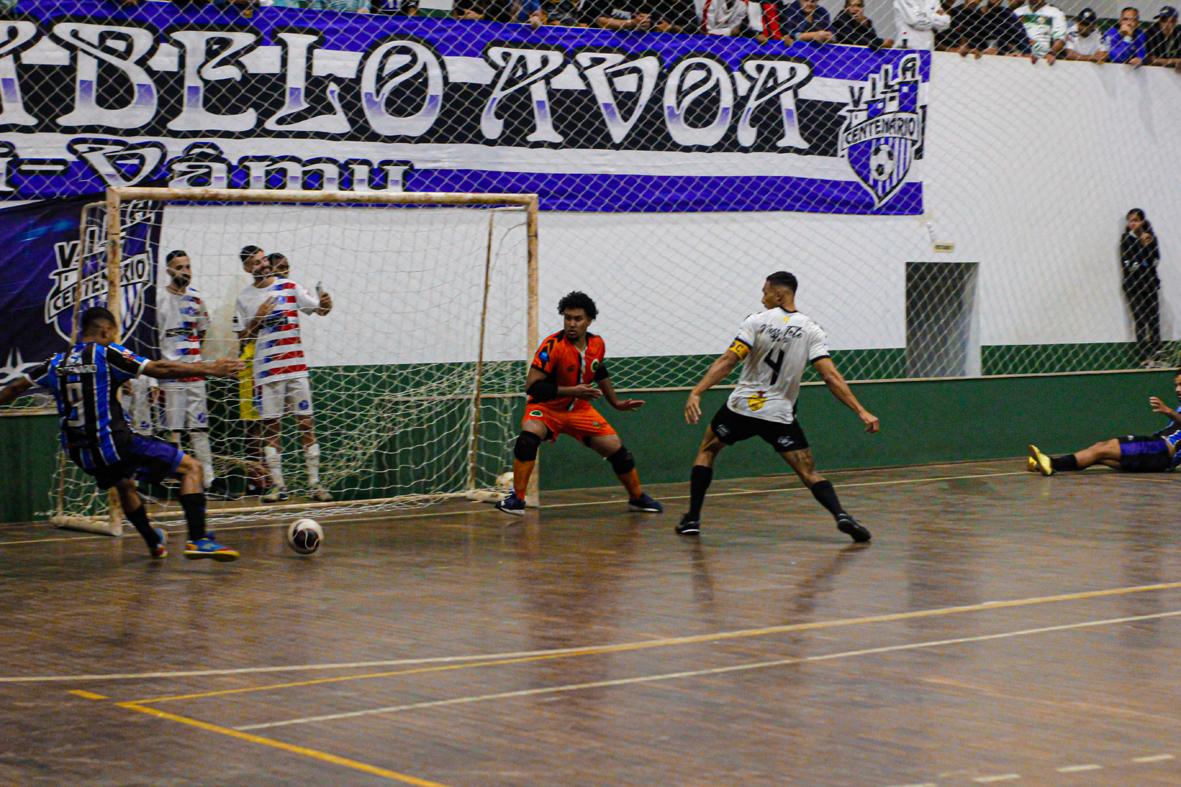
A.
pixel 853 27
pixel 1126 42
pixel 1163 42
pixel 1083 39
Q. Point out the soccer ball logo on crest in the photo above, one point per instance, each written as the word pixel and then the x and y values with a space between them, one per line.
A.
pixel 881 162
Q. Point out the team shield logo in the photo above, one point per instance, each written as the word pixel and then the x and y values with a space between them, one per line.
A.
pixel 884 128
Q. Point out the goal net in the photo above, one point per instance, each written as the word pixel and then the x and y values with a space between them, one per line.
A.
pixel 415 371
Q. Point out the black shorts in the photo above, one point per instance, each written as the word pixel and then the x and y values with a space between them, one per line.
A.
pixel 732 427
pixel 1144 454
pixel 143 457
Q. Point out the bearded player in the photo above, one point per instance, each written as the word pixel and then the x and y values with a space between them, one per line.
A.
pixel 567 374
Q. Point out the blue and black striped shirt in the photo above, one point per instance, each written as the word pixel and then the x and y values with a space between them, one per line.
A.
pixel 85 383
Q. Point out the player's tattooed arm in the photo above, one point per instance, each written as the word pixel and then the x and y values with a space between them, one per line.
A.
pixel 13 390
pixel 718 371
pixel 840 389
pixel 222 367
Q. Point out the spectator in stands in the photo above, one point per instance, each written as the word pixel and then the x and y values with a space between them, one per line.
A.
pixel 559 13
pixel 664 16
pixel 853 27
pixel 732 18
pixel 1139 254
pixel 1083 39
pixel 394 7
pixel 918 21
pixel 964 18
pixel 998 31
pixel 1045 26
pixel 1126 43
pixel 488 10
pixel 355 6
pixel 1163 44
pixel 805 20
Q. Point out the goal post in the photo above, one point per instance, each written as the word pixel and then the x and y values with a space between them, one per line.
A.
pixel 416 372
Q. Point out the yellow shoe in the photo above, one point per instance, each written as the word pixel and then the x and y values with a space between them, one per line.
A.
pixel 1040 461
pixel 1031 464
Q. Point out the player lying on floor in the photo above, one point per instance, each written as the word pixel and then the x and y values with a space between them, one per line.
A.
pixel 1155 453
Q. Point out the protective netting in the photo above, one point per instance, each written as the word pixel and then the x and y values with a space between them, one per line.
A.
pixel 415 372
pixel 946 214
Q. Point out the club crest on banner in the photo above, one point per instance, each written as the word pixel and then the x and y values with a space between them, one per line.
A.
pixel 883 129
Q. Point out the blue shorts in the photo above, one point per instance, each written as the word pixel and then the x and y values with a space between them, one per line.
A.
pixel 1144 454
pixel 143 457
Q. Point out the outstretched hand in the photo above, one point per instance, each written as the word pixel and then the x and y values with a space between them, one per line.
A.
pixel 629 404
pixel 225 367
pixel 872 424
pixel 1158 406
pixel 585 391
pixel 693 409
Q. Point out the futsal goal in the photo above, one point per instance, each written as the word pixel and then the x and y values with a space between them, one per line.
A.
pixel 416 373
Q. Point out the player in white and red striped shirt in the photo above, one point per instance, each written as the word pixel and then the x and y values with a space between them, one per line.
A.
pixel 181 322
pixel 268 311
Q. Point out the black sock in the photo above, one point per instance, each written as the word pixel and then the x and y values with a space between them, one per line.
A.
pixel 827 497
pixel 699 479
pixel 1067 462
pixel 139 518
pixel 194 506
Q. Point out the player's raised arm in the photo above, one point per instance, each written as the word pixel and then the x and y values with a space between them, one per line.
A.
pixel 840 389
pixel 222 367
pixel 717 371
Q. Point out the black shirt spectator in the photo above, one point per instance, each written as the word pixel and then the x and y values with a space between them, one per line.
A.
pixel 965 18
pixel 998 31
pixel 666 16
pixel 1164 39
pixel 1139 254
pixel 853 27
pixel 488 10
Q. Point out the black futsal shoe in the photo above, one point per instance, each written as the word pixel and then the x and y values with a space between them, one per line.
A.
pixel 853 529
pixel 688 526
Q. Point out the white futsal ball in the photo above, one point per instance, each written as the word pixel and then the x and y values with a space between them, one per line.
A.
pixel 881 162
pixel 305 536
pixel 504 482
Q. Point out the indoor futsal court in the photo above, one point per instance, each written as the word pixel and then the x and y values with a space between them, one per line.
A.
pixel 1001 627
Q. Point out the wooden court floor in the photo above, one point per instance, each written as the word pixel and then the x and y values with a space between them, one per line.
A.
pixel 1001 627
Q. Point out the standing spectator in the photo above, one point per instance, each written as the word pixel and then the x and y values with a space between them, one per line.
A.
pixel 853 27
pixel 998 31
pixel 1083 39
pixel 1126 43
pixel 394 7
pixel 918 21
pixel 352 6
pixel 562 13
pixel 1045 26
pixel 805 21
pixel 964 19
pixel 732 18
pixel 1139 254
pixel 1163 43
pixel 618 14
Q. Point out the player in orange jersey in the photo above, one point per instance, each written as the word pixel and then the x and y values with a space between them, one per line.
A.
pixel 568 373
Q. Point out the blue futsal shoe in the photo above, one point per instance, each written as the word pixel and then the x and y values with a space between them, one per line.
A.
pixel 207 547
pixel 645 503
pixel 160 551
pixel 512 505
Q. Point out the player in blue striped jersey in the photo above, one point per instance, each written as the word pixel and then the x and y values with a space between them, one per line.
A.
pixel 1154 453
pixel 95 434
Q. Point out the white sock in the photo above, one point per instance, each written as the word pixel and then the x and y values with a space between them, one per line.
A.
pixel 311 454
pixel 204 454
pixel 275 464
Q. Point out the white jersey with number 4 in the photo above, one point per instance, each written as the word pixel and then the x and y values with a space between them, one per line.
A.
pixel 776 346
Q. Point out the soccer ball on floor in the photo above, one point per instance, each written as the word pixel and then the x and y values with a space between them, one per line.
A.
pixel 304 536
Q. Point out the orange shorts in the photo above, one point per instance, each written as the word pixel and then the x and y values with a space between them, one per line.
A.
pixel 581 423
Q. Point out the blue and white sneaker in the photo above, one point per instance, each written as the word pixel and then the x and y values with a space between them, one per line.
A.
pixel 512 505
pixel 160 551
pixel 645 503
pixel 207 547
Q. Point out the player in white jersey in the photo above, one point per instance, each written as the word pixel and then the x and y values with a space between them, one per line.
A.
pixel 181 323
pixel 268 312
pixel 776 346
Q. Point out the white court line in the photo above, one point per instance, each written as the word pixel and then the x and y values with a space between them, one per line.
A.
pixel 1079 768
pixel 487 509
pixel 702 672
pixel 1000 777
pixel 1153 758
pixel 1084 595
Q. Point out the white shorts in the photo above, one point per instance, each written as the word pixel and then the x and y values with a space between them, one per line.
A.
pixel 184 406
pixel 291 396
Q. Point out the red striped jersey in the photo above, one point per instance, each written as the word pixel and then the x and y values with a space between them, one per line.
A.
pixel 181 322
pixel 278 349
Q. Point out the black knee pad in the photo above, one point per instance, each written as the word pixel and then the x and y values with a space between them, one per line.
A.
pixel 622 461
pixel 526 448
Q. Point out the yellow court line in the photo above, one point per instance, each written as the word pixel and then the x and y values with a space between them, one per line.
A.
pixel 694 639
pixel 87 695
pixel 304 751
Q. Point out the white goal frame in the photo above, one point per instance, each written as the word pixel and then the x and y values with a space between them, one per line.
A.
pixel 112 523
